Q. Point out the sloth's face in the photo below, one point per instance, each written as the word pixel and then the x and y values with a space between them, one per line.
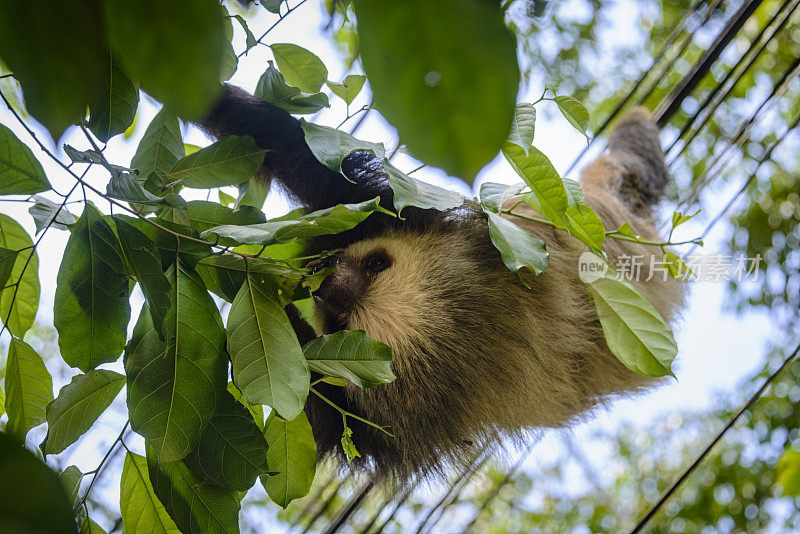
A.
pixel 382 285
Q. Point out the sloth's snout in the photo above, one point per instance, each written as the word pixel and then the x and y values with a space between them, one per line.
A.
pixel 342 289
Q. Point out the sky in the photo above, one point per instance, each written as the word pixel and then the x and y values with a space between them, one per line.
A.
pixel 716 349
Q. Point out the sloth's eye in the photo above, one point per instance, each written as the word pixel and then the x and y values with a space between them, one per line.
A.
pixel 378 262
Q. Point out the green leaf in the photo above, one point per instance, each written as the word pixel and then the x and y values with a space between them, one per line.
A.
pixel 518 248
pixel 18 305
pixel 78 406
pixel 273 6
pixel 174 49
pixel 549 195
pixel 272 88
pixel 494 195
pixel 71 478
pixel 91 309
pixel 409 191
pixel 676 267
pixel 8 258
pixel 268 363
pixel 196 507
pixel 348 90
pixel 125 186
pixel 454 63
pixel 679 218
pixel 253 193
pixel 46 213
pixel 29 388
pixel 351 354
pixel 231 160
pixel 173 387
pixel 330 145
pixel 141 510
pixel 20 171
pixel 323 222
pixel 58 55
pixel 34 499
pixel 231 451
pixel 301 67
pixel 2 402
pixel 292 454
pixel 582 221
pixel 224 274
pixel 142 255
pixel 161 145
pixel 250 39
pixel 348 447
pixel 204 215
pixel 113 112
pixel 625 229
pixel 574 112
pixel 635 332
pixel 255 410
pixel 169 245
pixel 523 126
pixel 788 472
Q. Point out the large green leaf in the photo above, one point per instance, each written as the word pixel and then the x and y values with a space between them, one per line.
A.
pixel 78 406
pixel 196 507
pixel 113 112
pixel 173 387
pixel 204 215
pixel 409 191
pixel 20 171
pixel 71 478
pixel 444 74
pixel 29 388
pixel 91 309
pixel 142 255
pixel 322 222
pixel 634 330
pixel 301 67
pixel 161 145
pixel 331 145
pixel 230 161
pixel 140 508
pixel 582 221
pixel 34 499
pixel 523 126
pixel 273 88
pixel 169 245
pixel 19 303
pixel 292 454
pixel 549 195
pixel 518 248
pixel 231 451
pixel 224 274
pixel 58 54
pixel 174 49
pixel 268 363
pixel 2 402
pixel 351 354
pixel 348 90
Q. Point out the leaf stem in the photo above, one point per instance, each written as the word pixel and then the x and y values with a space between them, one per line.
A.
pixel 96 472
pixel 349 414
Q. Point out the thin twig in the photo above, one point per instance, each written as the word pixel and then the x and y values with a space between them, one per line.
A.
pixel 96 472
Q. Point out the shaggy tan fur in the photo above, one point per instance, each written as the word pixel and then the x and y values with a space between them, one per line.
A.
pixel 479 356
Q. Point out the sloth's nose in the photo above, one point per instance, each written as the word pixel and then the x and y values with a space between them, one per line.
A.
pixel 322 263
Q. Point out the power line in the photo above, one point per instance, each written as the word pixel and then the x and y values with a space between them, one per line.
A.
pixel 674 486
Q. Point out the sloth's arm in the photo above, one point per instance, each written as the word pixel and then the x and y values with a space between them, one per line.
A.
pixel 289 161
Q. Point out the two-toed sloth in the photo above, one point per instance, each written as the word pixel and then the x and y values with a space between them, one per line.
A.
pixel 478 356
